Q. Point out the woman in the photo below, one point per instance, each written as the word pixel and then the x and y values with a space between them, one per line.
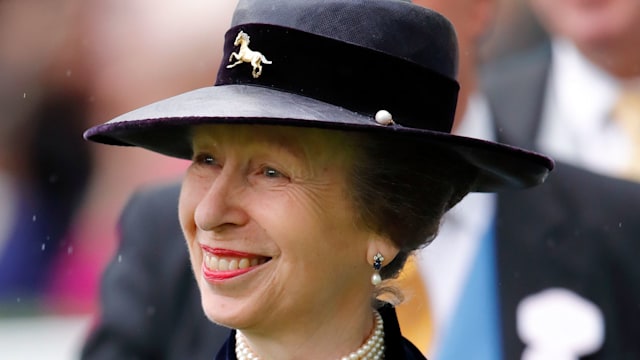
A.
pixel 320 160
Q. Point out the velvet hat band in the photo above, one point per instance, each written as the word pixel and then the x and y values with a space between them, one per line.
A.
pixel 323 68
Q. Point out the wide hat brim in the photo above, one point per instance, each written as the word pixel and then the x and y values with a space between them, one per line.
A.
pixel 165 127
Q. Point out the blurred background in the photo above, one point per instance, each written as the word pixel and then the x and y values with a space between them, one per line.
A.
pixel 66 65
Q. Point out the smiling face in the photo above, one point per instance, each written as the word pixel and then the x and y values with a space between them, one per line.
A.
pixel 270 226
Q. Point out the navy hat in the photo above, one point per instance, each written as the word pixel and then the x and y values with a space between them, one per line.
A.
pixel 384 66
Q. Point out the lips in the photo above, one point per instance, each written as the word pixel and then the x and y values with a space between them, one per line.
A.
pixel 222 264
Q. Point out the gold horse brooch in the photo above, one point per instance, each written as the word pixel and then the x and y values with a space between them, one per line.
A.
pixel 247 55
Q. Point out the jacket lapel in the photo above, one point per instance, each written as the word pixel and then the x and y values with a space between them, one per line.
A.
pixel 515 90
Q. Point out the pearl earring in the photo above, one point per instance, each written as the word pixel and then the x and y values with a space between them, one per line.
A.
pixel 377 265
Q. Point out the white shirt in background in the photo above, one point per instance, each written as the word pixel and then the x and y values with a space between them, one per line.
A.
pixel 576 125
pixel 444 265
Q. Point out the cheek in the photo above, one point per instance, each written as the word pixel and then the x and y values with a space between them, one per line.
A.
pixel 189 198
pixel 325 227
pixel 186 208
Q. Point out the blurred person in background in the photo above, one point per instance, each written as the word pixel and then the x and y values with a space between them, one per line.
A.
pixel 514 29
pixel 568 276
pixel 44 167
pixel 578 78
pixel 529 272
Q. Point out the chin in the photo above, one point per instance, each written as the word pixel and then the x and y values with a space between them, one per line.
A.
pixel 215 317
pixel 213 311
pixel 223 310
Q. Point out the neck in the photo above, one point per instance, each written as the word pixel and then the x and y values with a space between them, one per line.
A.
pixel 332 337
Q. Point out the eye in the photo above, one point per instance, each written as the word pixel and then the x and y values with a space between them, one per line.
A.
pixel 271 172
pixel 205 159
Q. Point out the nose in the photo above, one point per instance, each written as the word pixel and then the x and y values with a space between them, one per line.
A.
pixel 222 204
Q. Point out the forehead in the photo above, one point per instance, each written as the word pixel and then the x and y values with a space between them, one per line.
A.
pixel 246 133
pixel 307 143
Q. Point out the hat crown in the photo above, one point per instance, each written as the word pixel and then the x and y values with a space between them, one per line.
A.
pixel 393 27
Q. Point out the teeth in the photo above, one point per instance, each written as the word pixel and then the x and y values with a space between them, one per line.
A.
pixel 233 264
pixel 216 263
pixel 212 262
pixel 244 263
pixel 223 264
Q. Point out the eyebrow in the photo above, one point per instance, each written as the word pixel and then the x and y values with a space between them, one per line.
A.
pixel 277 141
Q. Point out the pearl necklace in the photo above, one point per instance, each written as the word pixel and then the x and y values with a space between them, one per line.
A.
pixel 372 349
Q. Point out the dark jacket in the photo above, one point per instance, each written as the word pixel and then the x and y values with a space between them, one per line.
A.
pixel 579 231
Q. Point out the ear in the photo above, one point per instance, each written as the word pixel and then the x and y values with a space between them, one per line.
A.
pixel 383 245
